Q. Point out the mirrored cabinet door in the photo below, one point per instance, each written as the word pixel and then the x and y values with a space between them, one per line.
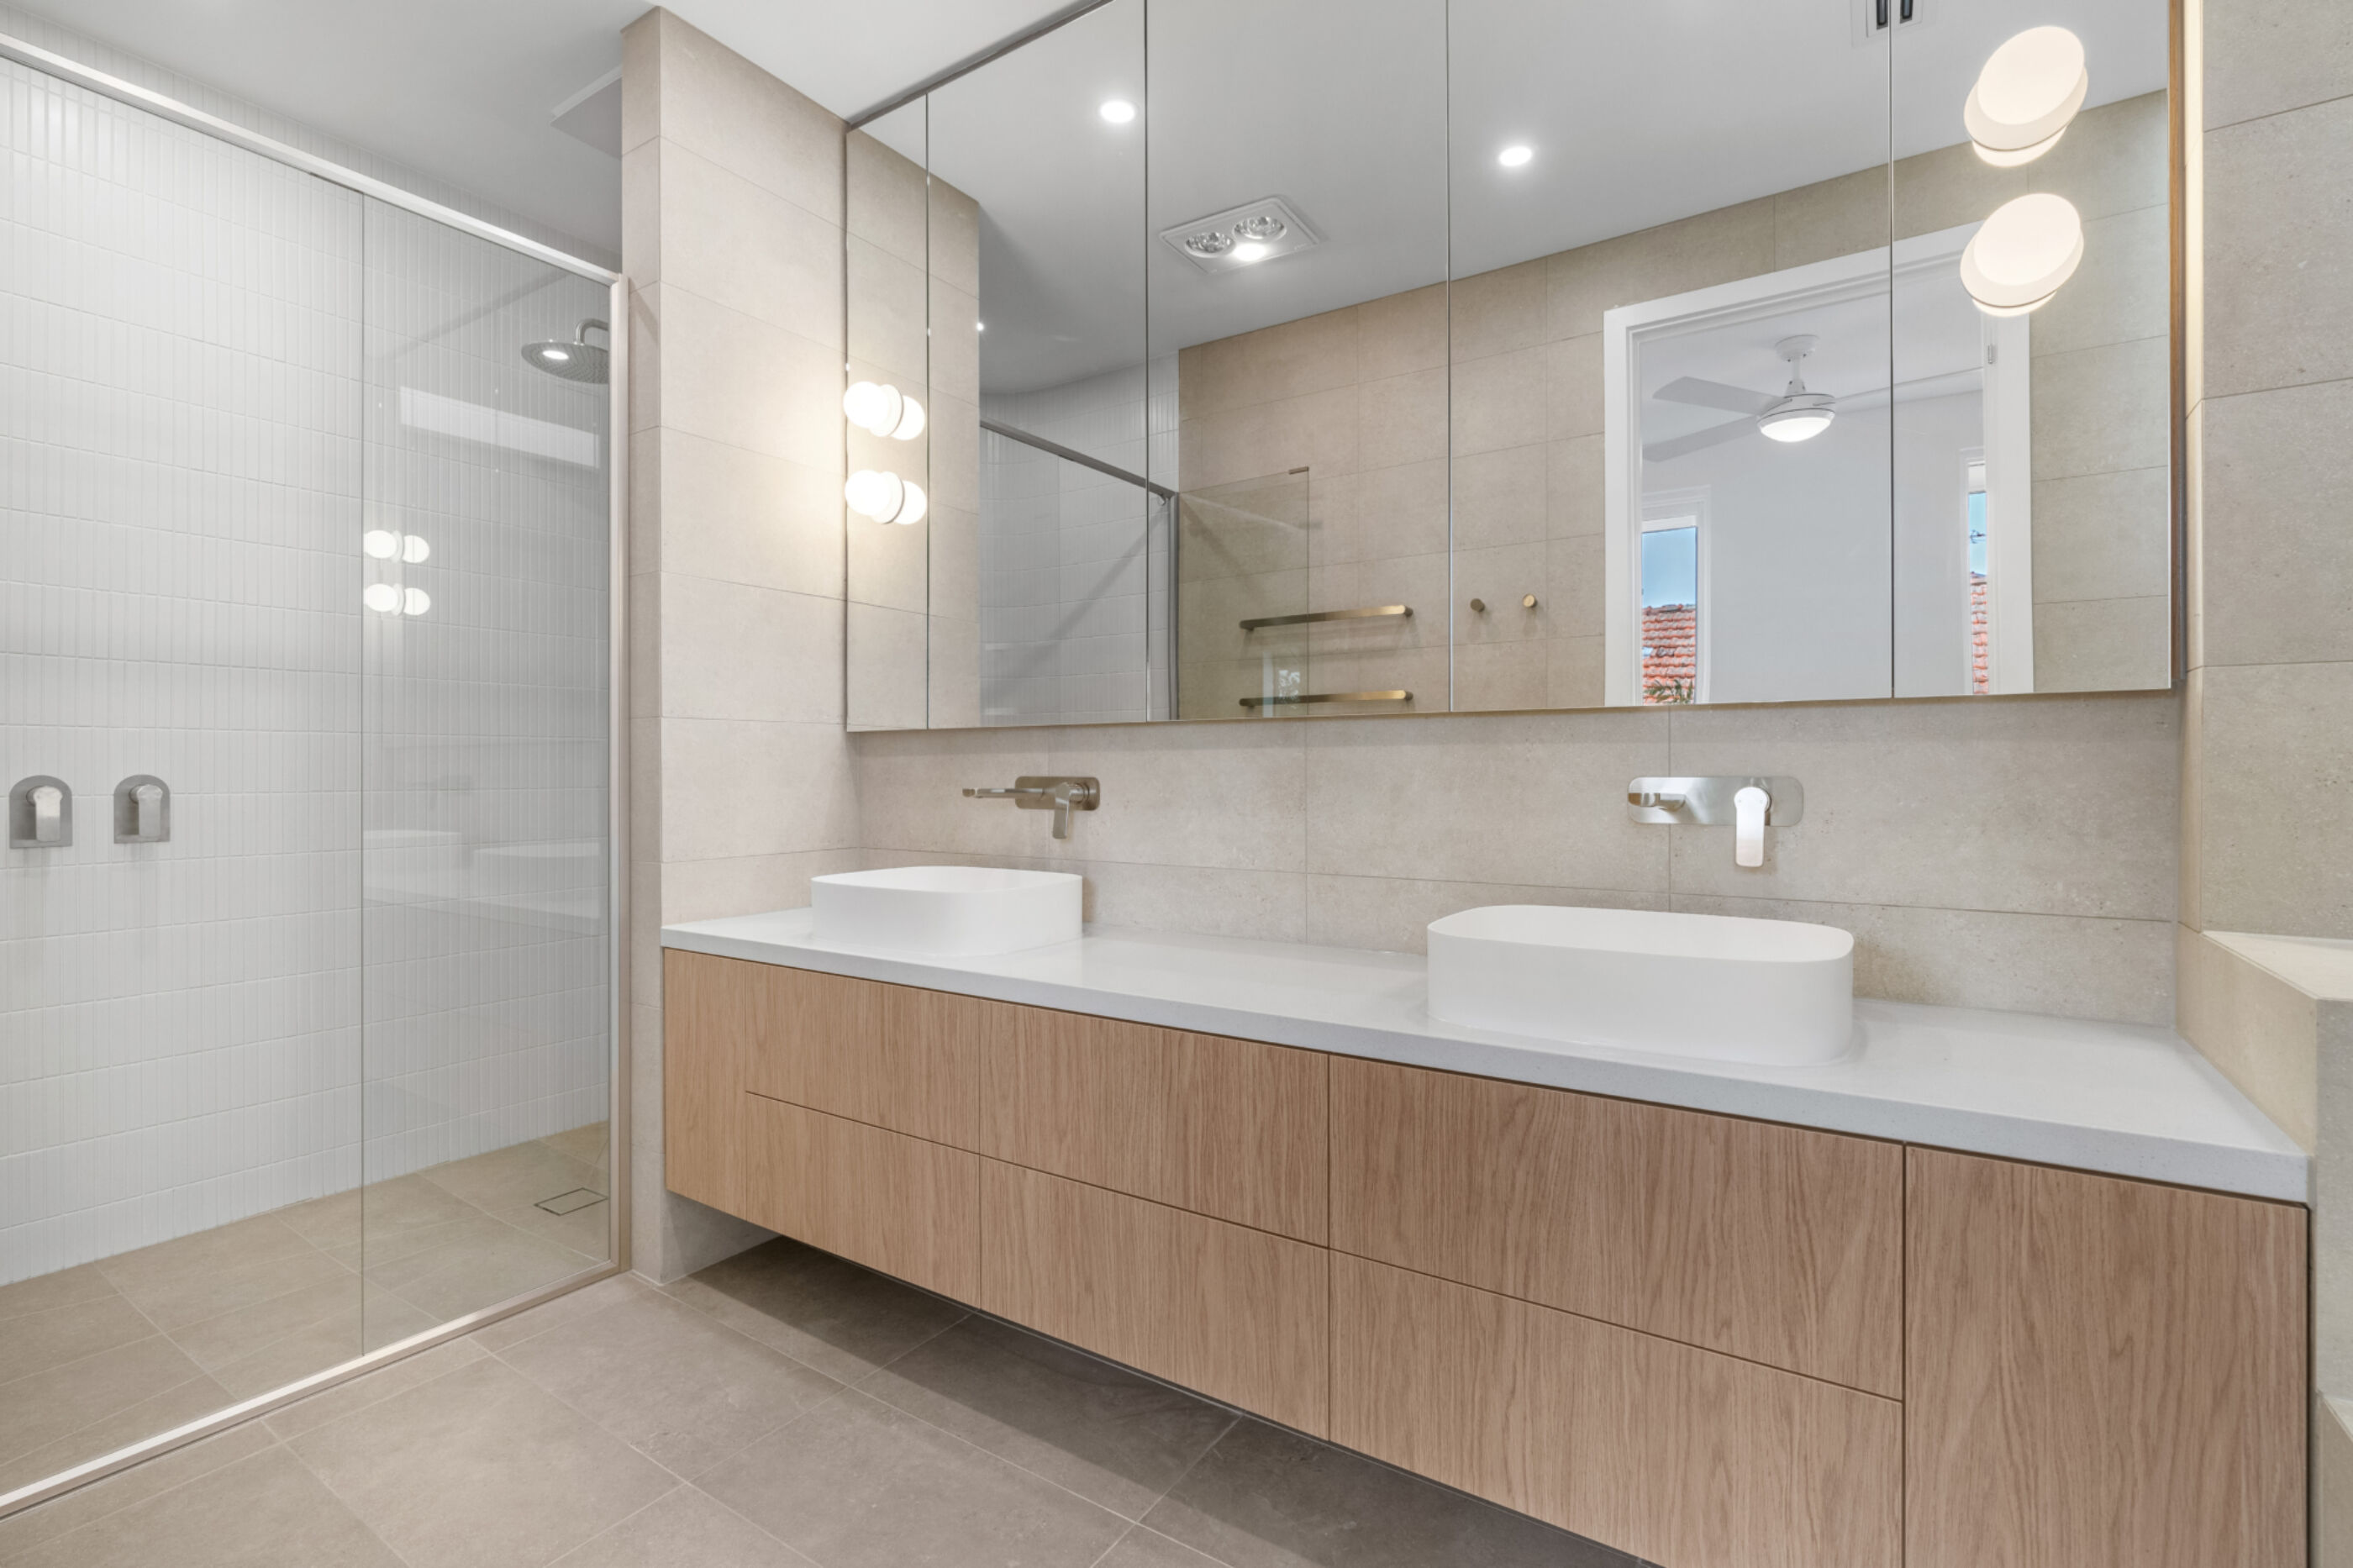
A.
pixel 1281 358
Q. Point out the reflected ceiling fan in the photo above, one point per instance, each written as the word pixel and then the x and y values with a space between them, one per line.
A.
pixel 1796 415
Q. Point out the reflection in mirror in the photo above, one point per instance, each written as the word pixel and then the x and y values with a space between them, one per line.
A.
pixel 1310 348
pixel 2032 352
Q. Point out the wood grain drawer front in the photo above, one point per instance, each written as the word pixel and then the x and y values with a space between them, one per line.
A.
pixel 1681 1456
pixel 1229 1128
pixel 908 1207
pixel 1777 1244
pixel 890 1055
pixel 2104 1373
pixel 1238 1314
pixel 708 1009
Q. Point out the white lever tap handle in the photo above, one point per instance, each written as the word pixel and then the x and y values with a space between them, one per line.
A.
pixel 1748 807
pixel 48 815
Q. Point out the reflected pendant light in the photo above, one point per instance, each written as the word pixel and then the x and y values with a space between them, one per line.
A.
pixel 2028 90
pixel 2019 258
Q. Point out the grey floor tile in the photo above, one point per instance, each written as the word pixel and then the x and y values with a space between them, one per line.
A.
pixel 607 1292
pixel 1111 1436
pixel 373 1388
pixel 342 1223
pixel 66 1287
pixel 588 1145
pixel 266 1511
pixel 36 1342
pixel 519 1174
pixel 670 1380
pixel 686 1528
pixel 479 1469
pixel 49 1404
pixel 143 1417
pixel 202 1253
pixel 1265 1497
pixel 176 1298
pixel 1142 1548
pixel 325 1342
pixel 477 1264
pixel 817 1308
pixel 859 1484
pixel 22 1531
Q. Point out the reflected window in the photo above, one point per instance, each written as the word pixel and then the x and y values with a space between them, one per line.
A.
pixel 1973 518
pixel 1670 628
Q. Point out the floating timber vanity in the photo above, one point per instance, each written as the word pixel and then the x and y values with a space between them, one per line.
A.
pixel 1713 1340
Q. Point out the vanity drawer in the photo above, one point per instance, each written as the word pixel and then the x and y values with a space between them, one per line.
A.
pixel 892 1055
pixel 2104 1374
pixel 1229 1128
pixel 708 1007
pixel 1777 1244
pixel 1238 1314
pixel 1676 1454
pixel 906 1207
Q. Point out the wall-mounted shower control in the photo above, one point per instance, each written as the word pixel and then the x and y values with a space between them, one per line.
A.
pixel 142 810
pixel 40 814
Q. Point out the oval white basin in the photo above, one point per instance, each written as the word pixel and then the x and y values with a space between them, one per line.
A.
pixel 950 911
pixel 1691 986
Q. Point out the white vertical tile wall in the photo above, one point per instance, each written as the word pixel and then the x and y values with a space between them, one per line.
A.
pixel 1074 567
pixel 186 404
pixel 179 420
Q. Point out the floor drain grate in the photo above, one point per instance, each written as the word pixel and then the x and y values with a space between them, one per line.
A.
pixel 573 1202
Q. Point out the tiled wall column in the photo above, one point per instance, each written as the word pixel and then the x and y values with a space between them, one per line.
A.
pixel 732 195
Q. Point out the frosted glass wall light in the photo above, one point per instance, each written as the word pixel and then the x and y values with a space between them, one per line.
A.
pixel 882 409
pixel 2028 90
pixel 2019 258
pixel 885 497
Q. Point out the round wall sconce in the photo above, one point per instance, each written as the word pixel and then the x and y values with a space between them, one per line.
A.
pixel 2020 256
pixel 384 544
pixel 885 497
pixel 2028 90
pixel 882 409
pixel 383 598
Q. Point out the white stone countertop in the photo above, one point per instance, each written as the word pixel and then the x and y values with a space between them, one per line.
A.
pixel 2124 1098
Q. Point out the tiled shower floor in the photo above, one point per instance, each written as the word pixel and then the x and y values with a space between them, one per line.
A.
pixel 779 1410
pixel 94 1357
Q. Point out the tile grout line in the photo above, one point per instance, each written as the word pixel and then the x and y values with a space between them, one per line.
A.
pixel 344 1504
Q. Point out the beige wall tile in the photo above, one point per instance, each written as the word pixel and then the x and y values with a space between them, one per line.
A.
pixel 744 517
pixel 1196 794
pixel 1832 217
pixel 645 788
pixel 2193 799
pixel 2193 531
pixel 2105 645
pixel 2260 1030
pixel 2332 1479
pixel 1576 595
pixel 910 791
pixel 1383 513
pixel 1401 332
pixel 1416 582
pixel 645 359
pixel 889 658
pixel 954 441
pixel 955 564
pixel 1500 677
pixel 1498 402
pixel 2112 159
pixel 1313 353
pixel 1317 431
pixel 2101 410
pixel 1486 799
pixel 2276 732
pixel 955 660
pixel 643 521
pixel 1211 900
pixel 734 787
pixel 645 936
pixel 640 81
pixel 734 378
pixel 2279 251
pixel 1692 253
pixel 1500 497
pixel 717 103
pixel 1500 311
pixel 888 563
pixel 2072 966
pixel 737 244
pixel 2104 536
pixel 889 315
pixel 1573 388
pixel 2261 59
pixel 746 884
pixel 2123 289
pixel 2051 806
pixel 731 651
pixel 886 199
pixel 2278 550
pixel 955 238
pixel 1401 419
pixel 641 213
pixel 1500 577
pixel 1574 477
pixel 1391 914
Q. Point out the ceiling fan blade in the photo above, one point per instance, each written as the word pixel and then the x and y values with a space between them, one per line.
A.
pixel 1697 441
pixel 1715 394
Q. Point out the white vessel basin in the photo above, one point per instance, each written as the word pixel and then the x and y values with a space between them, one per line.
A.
pixel 1690 986
pixel 950 911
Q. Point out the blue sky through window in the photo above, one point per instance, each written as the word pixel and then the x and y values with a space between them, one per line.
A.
pixel 1977 537
pixel 1671 566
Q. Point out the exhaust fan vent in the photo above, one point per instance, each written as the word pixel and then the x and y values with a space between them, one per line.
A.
pixel 1241 237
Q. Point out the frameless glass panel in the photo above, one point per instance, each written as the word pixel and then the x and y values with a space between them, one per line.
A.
pixel 179 646
pixel 1297 236
pixel 2035 372
pixel 1669 355
pixel 487 645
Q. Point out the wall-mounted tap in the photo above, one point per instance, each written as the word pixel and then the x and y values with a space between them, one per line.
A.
pixel 1036 793
pixel 1748 806
pixel 40 814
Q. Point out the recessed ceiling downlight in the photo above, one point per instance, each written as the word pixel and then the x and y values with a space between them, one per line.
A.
pixel 1117 111
pixel 1240 237
pixel 2020 256
pixel 1250 250
pixel 1209 242
pixel 1512 157
pixel 2025 98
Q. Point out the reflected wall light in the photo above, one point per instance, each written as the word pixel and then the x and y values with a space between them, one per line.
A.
pixel 414 602
pixel 1514 156
pixel 381 543
pixel 882 409
pixel 383 598
pixel 1117 111
pixel 885 497
pixel 2028 90
pixel 2019 258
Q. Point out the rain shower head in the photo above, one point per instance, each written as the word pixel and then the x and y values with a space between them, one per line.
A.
pixel 578 360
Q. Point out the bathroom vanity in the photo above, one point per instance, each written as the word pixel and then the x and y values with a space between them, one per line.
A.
pixel 1991 1289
